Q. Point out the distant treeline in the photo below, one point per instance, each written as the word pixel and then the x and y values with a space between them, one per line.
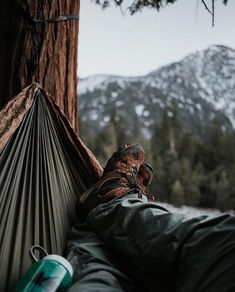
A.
pixel 189 169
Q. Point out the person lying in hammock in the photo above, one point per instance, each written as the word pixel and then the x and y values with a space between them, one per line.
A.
pixel 126 242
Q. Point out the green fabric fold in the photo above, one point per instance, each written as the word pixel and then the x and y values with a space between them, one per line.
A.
pixel 44 167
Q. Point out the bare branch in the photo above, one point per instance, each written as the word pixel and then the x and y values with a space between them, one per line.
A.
pixel 206 7
pixel 137 5
pixel 213 12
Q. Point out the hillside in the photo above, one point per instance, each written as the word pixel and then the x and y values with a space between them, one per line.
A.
pixel 184 115
pixel 201 87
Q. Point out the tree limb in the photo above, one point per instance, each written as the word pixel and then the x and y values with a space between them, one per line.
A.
pixel 206 7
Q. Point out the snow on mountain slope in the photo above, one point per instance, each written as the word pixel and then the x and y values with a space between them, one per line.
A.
pixel 101 81
pixel 90 83
pixel 209 74
pixel 202 86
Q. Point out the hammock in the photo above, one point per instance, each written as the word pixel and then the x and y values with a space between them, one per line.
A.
pixel 44 167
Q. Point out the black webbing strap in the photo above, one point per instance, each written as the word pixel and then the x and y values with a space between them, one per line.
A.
pixel 25 13
pixel 57 19
pixel 36 26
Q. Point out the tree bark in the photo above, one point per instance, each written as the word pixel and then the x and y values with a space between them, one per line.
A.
pixel 57 51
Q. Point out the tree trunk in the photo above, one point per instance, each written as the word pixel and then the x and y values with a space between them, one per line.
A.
pixel 57 51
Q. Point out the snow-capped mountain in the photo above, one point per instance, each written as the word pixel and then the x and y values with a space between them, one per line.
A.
pixel 201 86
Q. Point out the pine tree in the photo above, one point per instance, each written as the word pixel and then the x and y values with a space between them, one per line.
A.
pixel 193 191
pixel 177 194
pixel 119 130
pixel 166 135
pixel 157 186
pixel 105 143
pixel 222 192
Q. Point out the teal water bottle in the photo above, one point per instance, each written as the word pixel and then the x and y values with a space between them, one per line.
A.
pixel 52 273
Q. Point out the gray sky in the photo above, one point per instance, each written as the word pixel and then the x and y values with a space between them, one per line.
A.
pixel 110 43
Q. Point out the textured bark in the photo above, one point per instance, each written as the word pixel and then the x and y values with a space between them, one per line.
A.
pixel 57 70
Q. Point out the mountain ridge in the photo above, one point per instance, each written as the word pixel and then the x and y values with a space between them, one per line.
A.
pixel 201 86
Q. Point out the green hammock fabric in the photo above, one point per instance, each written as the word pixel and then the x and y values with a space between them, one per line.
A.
pixel 44 167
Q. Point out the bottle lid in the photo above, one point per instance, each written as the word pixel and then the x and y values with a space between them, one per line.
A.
pixel 60 260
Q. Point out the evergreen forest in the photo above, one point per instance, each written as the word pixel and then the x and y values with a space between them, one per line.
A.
pixel 189 169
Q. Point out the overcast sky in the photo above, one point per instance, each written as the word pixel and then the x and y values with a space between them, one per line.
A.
pixel 110 43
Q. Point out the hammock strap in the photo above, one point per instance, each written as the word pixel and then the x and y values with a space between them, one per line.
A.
pixel 37 26
pixel 57 19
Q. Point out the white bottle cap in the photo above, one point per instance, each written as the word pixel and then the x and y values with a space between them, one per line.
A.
pixel 61 260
